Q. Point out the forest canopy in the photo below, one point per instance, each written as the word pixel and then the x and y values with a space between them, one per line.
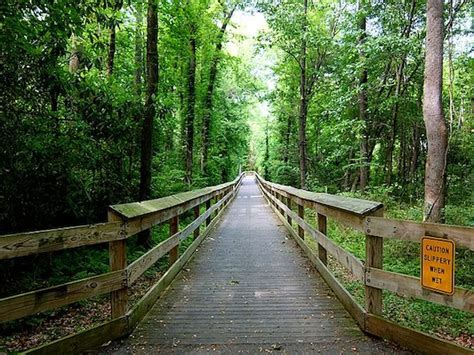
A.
pixel 106 102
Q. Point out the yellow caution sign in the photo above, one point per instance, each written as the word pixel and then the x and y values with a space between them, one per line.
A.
pixel 437 264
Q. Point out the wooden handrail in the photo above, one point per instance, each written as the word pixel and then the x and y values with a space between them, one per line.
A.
pixel 129 219
pixel 413 231
pixel 367 217
pixel 143 263
pixel 25 304
pixel 344 257
pixel 124 221
pixel 43 241
pixel 30 243
pixel 350 205
pixel 134 210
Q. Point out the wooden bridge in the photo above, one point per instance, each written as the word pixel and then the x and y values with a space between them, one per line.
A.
pixel 258 281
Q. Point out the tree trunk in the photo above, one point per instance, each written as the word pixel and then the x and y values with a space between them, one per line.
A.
pixel 147 131
pixel 207 102
pixel 303 110
pixel 415 149
pixel 398 93
pixel 436 132
pixel 138 49
pixel 363 115
pixel 189 123
pixel 117 5
pixel 393 131
pixel 266 159
pixel 111 54
pixel 286 151
pixel 74 60
pixel 347 173
pixel 138 81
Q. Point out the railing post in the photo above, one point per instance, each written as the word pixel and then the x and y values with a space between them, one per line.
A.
pixel 208 219
pixel 280 197
pixel 301 215
pixel 216 199
pixel 196 215
pixel 322 227
pixel 221 195
pixel 174 228
pixel 288 204
pixel 118 261
pixel 373 258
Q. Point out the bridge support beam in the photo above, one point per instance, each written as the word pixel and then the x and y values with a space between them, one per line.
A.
pixel 373 258
pixel 301 215
pixel 196 215
pixel 208 219
pixel 288 203
pixel 174 228
pixel 118 261
pixel 281 198
pixel 322 227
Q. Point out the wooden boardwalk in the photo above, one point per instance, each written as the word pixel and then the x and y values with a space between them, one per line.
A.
pixel 249 289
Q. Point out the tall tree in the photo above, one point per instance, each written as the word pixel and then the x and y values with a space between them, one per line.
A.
pixel 303 109
pixel 363 114
pixel 138 48
pixel 436 131
pixel 206 126
pixel 112 37
pixel 150 110
pixel 190 103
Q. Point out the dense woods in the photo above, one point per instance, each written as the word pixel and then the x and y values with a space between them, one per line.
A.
pixel 348 108
pixel 107 102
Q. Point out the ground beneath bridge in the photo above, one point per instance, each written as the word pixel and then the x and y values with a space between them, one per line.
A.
pixel 249 289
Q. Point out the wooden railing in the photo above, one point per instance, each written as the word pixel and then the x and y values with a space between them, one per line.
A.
pixel 367 217
pixel 125 221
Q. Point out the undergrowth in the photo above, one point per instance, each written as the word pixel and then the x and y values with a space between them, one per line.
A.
pixel 404 257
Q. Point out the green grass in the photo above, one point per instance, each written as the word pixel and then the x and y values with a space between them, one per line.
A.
pixel 403 257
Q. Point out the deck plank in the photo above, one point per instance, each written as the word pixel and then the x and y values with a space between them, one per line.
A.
pixel 249 288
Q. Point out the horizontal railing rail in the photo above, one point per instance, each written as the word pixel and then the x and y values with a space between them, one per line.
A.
pixel 125 220
pixel 367 217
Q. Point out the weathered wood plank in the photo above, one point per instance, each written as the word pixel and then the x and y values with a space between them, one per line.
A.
pixel 25 304
pixel 23 244
pixel 343 203
pixel 144 262
pixel 322 227
pixel 174 228
pixel 410 286
pixel 174 207
pixel 196 213
pixel 118 261
pixel 208 206
pixel 373 259
pixel 137 313
pixel 288 204
pixel 411 338
pixel 136 225
pixel 349 303
pixel 144 208
pixel 348 219
pixel 344 257
pixel 414 231
pixel 85 340
pixel 300 215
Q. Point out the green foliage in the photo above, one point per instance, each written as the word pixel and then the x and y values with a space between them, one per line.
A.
pixel 71 131
pixel 393 56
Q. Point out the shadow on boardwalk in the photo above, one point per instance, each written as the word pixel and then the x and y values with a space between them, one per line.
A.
pixel 249 289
